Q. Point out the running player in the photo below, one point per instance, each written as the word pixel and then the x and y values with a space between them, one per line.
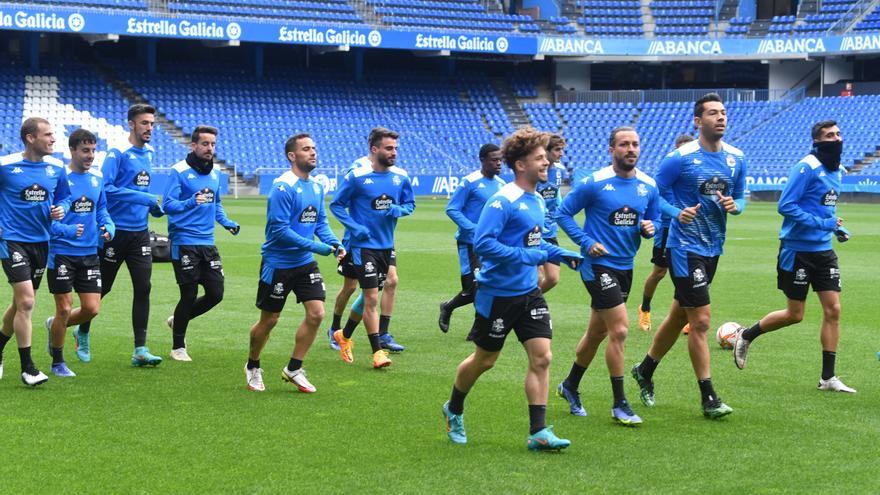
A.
pixel 808 206
pixel 659 259
pixel 126 174
pixel 192 203
pixel 73 249
pixel 33 192
pixel 508 241
pixel 621 204
pixel 464 209
pixel 295 215
pixel 703 181
pixel 368 203
pixel 551 191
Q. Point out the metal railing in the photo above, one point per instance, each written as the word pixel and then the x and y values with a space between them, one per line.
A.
pixel 689 95
pixel 852 15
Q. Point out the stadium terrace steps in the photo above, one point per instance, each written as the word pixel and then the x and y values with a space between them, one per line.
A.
pixel 509 103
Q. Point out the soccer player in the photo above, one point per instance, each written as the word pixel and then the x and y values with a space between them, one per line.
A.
pixel 659 259
pixel 621 204
pixel 192 203
pixel 126 174
pixel 73 249
pixel 33 192
pixel 368 203
pixel 464 209
pixel 808 206
pixel 508 241
pixel 551 191
pixel 703 182
pixel 294 216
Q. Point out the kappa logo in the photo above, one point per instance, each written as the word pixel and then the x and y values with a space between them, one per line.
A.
pixel 496 204
pixel 299 190
pixel 523 206
pixel 17 170
pixel 642 190
pixel 699 276
pixel 481 186
pixel 697 161
pixel 368 181
pixel 190 176
pixel 608 187
pixel 278 289
pixel 50 171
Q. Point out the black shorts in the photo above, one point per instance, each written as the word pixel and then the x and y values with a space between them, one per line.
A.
pixel 372 266
pixel 797 271
pixel 81 274
pixel 346 266
pixel 527 315
pixel 276 283
pixel 23 261
pixel 468 261
pixel 196 264
pixel 132 247
pixel 609 287
pixel 555 242
pixel 659 257
pixel 692 275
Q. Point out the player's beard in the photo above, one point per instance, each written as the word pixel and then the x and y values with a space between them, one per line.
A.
pixel 623 165
pixel 384 161
pixel 306 167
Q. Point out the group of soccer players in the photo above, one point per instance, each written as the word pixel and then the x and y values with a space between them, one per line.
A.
pixel 504 232
pixel 82 225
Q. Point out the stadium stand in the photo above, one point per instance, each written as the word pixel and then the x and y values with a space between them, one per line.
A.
pixel 100 4
pixel 450 14
pixel 611 17
pixel 325 10
pixel 682 17
pixel 739 26
pixel 829 13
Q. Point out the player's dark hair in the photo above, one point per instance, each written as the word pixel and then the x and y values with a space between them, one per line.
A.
pixel 555 141
pixel 486 149
pixel 682 139
pixel 202 129
pixel 30 126
pixel 617 130
pixel 380 133
pixel 816 132
pixel 81 136
pixel 140 109
pixel 698 106
pixel 290 145
pixel 521 144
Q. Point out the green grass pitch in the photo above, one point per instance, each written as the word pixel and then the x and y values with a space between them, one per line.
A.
pixel 195 428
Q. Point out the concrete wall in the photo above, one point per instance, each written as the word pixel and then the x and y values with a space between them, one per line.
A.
pixel 572 75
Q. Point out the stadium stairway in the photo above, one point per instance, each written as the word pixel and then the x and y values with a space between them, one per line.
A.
pixel 648 21
pixel 366 12
pixel 509 103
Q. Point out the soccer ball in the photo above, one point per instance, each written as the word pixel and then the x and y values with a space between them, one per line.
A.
pixel 726 334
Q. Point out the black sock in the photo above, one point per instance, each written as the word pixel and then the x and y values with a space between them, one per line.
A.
pixel 752 332
pixel 573 380
pixel 85 327
pixel 337 321
pixel 178 341
pixel 294 364
pixel 384 321
pixel 4 339
pixel 706 390
pixel 57 355
pixel 646 303
pixel 253 363
pixel 459 300
pixel 26 362
pixel 647 367
pixel 456 401
pixel 374 342
pixel 828 359
pixel 617 389
pixel 350 325
pixel 537 418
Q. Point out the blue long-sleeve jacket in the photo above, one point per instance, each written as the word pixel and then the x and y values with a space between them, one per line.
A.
pixel 294 216
pixel 127 176
pixel 508 240
pixel 467 202
pixel 368 204
pixel 691 175
pixel 551 191
pixel 808 205
pixel 88 208
pixel 191 224
pixel 614 208
pixel 28 191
